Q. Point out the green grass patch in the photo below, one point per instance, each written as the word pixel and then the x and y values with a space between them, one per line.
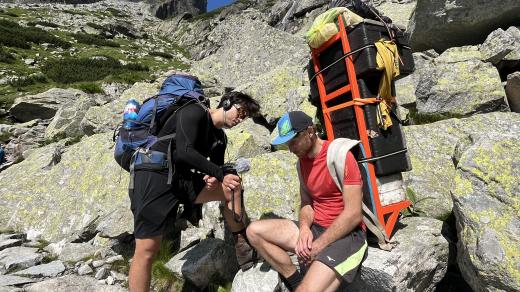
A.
pixel 6 57
pixel 422 118
pixel 161 54
pixel 43 23
pixel 24 81
pixel 116 12
pixel 14 35
pixel 162 278
pixel 8 13
pixel 91 39
pixel 95 25
pixel 70 70
pixel 88 87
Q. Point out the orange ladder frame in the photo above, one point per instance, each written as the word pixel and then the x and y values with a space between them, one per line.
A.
pixel 352 86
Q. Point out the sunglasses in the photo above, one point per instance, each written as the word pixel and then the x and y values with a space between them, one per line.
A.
pixel 242 112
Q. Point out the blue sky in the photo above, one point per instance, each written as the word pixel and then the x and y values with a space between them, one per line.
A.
pixel 213 4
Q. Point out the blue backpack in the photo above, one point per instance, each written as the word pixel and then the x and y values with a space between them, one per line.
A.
pixel 133 138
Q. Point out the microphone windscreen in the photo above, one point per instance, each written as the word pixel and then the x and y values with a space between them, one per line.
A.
pixel 242 165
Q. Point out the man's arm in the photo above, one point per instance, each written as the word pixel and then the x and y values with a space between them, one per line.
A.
pixel 304 243
pixel 347 220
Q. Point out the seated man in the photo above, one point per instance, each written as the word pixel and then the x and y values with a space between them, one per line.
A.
pixel 329 239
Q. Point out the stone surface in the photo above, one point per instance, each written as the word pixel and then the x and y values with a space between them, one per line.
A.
pixel 513 91
pixel 66 122
pixel 9 280
pixel 261 278
pixel 52 269
pixel 435 150
pixel 457 86
pixel 417 263
pixel 75 252
pixel 85 184
pixel 487 207
pixel 210 260
pixel 73 283
pixel 498 44
pixel 43 105
pixel 18 258
pixel 247 140
pixel 7 243
pixel 85 270
pixel 441 24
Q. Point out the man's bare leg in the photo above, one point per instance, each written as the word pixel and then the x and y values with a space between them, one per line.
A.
pixel 141 267
pixel 218 195
pixel 320 277
pixel 272 238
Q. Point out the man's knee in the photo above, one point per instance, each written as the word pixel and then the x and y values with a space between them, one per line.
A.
pixel 145 249
pixel 253 231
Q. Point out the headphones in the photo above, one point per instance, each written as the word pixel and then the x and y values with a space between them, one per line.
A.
pixel 226 104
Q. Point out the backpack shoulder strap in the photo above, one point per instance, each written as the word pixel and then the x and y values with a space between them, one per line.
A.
pixel 336 155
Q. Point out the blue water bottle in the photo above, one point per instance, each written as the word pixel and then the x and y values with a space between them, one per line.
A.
pixel 130 113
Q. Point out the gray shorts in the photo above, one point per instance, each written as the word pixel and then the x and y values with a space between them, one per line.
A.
pixel 345 255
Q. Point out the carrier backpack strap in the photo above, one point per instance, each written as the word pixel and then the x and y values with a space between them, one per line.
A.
pixel 336 155
pixel 132 170
pixel 154 112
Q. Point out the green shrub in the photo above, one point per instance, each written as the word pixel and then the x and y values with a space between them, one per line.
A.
pixel 89 87
pixel 28 80
pixel 91 39
pixel 43 23
pixel 116 13
pixel 96 26
pixel 8 13
pixel 14 35
pixel 5 56
pixel 161 54
pixel 70 70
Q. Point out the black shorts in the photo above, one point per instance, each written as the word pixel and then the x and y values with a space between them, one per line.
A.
pixel 345 255
pixel 154 203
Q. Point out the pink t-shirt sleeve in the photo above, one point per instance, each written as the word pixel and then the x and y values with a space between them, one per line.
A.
pixel 352 174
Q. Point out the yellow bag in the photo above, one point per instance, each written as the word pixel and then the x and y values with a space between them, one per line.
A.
pixel 324 26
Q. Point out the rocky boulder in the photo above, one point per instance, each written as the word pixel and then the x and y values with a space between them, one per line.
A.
pixel 487 206
pixel 420 260
pixel 18 258
pixel 458 84
pixel 441 24
pixel 513 91
pixel 498 44
pixel 43 105
pixel 436 149
pixel 66 122
pixel 73 283
pixel 81 183
pixel 166 8
pixel 247 140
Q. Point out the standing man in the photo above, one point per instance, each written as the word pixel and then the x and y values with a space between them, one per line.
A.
pixel 329 239
pixel 196 179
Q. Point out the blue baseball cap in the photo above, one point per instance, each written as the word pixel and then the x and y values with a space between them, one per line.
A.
pixel 289 125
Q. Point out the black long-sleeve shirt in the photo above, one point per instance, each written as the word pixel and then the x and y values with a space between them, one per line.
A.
pixel 196 140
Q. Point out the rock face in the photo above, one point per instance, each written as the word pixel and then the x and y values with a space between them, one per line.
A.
pixel 486 205
pixel 457 84
pixel 441 24
pixel 167 8
pixel 43 105
pixel 67 121
pixel 436 150
pixel 417 263
pixel 73 283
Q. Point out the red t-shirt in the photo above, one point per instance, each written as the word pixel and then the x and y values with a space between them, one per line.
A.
pixel 327 199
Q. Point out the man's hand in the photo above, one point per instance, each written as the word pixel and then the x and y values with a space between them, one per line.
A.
pixel 304 245
pixel 316 248
pixel 211 182
pixel 231 182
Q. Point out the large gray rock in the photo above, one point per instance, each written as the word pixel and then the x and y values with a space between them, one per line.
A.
pixel 513 91
pixel 399 11
pixel 52 269
pixel 441 24
pixel 251 48
pixel 18 257
pixel 82 183
pixel 514 56
pixel 271 186
pixel 498 44
pixel 212 260
pixel 73 283
pixel 486 206
pixel 459 86
pixel 261 278
pixel 7 243
pixel 43 105
pixel 247 140
pixel 166 8
pixel 75 252
pixel 9 280
pixel 25 137
pixel 417 263
pixel 436 149
pixel 66 122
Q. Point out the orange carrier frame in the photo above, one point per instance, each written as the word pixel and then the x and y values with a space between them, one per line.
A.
pixel 387 215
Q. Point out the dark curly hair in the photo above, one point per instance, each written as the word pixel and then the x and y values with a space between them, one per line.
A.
pixel 245 101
